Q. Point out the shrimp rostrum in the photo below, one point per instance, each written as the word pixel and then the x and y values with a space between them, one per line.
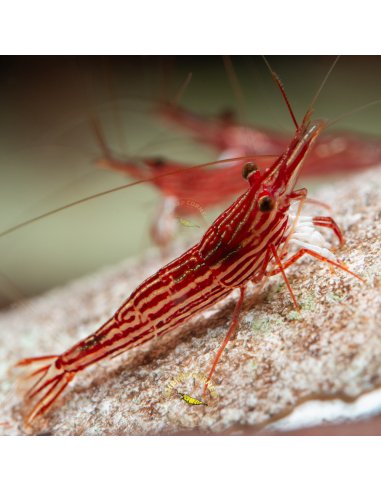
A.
pixel 256 237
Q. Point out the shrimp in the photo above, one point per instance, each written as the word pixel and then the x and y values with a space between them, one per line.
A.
pixel 183 194
pixel 334 153
pixel 248 242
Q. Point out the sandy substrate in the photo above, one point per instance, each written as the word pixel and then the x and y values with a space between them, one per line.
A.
pixel 278 359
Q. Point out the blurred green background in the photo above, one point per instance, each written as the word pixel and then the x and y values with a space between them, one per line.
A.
pixel 47 148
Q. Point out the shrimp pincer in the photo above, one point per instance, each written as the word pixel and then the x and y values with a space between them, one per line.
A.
pixel 247 242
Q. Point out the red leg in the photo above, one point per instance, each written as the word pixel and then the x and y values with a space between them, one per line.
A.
pixel 301 195
pixel 233 326
pixel 312 201
pixel 330 224
pixel 281 269
pixel 305 251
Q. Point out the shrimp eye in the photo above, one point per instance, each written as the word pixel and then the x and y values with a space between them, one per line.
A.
pixel 158 162
pixel 227 116
pixel 266 203
pixel 248 168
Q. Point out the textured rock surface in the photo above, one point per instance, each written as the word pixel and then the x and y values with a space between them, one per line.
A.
pixel 278 359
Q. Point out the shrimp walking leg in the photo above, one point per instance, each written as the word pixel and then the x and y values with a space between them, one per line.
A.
pixel 330 224
pixel 230 333
pixel 306 251
pixel 281 270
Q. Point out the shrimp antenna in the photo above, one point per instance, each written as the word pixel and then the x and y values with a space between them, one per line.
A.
pixel 123 187
pixel 105 149
pixel 280 85
pixel 182 89
pixel 118 120
pixel 234 82
pixel 100 137
pixel 354 111
pixel 97 127
pixel 317 94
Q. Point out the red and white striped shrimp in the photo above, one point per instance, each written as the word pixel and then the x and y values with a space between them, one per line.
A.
pixel 248 242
